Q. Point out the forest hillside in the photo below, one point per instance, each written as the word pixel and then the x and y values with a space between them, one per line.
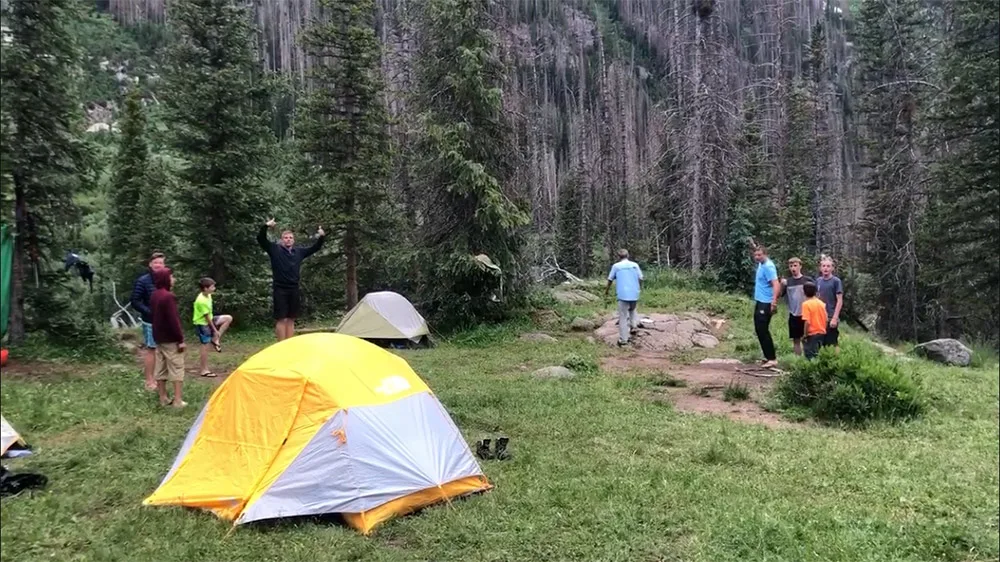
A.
pixel 543 135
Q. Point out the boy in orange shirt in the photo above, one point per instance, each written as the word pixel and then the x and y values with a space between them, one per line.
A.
pixel 814 316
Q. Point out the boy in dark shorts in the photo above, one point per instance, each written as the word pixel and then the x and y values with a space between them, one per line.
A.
pixel 286 261
pixel 207 325
pixel 791 289
pixel 830 290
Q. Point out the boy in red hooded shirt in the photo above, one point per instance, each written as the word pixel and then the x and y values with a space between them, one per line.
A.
pixel 169 338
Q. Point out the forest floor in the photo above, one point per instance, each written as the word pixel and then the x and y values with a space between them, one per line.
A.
pixel 640 457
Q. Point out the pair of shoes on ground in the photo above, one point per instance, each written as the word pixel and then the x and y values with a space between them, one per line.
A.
pixel 500 453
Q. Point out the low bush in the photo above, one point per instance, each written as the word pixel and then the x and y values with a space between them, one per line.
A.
pixel 735 392
pixel 854 387
pixel 581 365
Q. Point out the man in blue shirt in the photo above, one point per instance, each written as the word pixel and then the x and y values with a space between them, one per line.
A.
pixel 628 279
pixel 766 290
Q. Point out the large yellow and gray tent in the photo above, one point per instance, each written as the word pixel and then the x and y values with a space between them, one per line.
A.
pixel 321 424
pixel 384 315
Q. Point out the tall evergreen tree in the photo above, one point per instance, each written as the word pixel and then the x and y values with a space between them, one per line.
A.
pixel 215 99
pixel 964 227
pixel 891 66
pixel 465 163
pixel 43 155
pixel 796 218
pixel 341 125
pixel 749 214
pixel 127 184
pixel 571 241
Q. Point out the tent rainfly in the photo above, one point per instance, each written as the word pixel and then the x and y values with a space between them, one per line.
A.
pixel 384 315
pixel 321 424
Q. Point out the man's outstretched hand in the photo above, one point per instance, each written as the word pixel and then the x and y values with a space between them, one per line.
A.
pixel 320 232
pixel 270 223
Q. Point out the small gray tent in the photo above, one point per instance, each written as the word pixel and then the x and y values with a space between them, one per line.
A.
pixel 384 316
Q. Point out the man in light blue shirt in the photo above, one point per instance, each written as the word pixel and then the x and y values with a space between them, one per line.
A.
pixel 628 282
pixel 766 290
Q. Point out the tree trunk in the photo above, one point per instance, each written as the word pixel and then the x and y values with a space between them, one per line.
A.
pixel 351 274
pixel 15 329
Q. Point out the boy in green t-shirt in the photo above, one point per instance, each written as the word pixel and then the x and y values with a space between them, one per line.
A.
pixel 208 327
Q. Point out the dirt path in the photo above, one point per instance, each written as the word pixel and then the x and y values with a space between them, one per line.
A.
pixel 700 388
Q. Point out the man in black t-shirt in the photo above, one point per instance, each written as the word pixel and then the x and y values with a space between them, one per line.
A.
pixel 286 261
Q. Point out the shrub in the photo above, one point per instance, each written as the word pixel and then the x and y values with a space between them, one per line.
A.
pixel 581 365
pixel 854 387
pixel 735 392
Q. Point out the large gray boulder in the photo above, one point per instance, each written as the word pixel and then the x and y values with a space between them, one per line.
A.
pixel 945 350
pixel 582 325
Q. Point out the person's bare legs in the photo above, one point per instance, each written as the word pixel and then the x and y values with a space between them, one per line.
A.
pixel 797 346
pixel 279 329
pixel 224 321
pixel 203 358
pixel 289 327
pixel 148 365
pixel 178 386
pixel 161 389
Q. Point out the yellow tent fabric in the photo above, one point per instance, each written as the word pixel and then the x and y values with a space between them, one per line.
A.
pixel 321 423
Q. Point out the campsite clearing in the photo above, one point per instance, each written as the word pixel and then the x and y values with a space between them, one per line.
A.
pixel 599 472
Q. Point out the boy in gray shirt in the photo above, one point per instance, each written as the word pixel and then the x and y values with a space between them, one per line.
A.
pixel 792 289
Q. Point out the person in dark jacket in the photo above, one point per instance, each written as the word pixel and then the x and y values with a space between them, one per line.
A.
pixel 169 338
pixel 142 290
pixel 286 262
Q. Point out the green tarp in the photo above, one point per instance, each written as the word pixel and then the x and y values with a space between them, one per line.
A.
pixel 6 263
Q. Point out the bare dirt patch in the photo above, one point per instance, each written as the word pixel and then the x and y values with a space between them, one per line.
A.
pixel 44 370
pixel 700 389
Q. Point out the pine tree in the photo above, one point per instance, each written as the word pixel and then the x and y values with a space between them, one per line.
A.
pixel 749 215
pixel 891 66
pixel 215 100
pixel 44 156
pixel 127 184
pixel 573 249
pixel 465 163
pixel 964 227
pixel 341 125
pixel 796 217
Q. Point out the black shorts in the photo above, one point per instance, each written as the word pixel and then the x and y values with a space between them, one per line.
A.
pixel 286 303
pixel 832 336
pixel 796 327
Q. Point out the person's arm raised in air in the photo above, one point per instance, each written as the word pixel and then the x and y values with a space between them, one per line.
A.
pixel 265 244
pixel 320 237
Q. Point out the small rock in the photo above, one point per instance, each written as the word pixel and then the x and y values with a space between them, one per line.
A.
pixel 581 325
pixel 702 339
pixel 946 350
pixel 591 340
pixel 555 372
pixel 713 361
pixel 538 338
pixel 718 323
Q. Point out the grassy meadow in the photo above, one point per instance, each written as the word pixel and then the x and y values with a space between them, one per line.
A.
pixel 599 471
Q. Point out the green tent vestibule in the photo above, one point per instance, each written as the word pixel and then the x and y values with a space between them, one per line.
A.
pixel 6 267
